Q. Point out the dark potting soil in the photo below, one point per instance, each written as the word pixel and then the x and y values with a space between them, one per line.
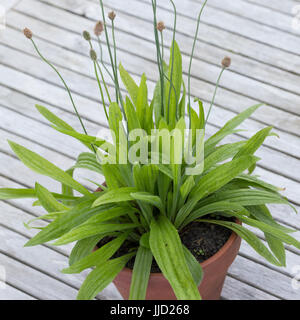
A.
pixel 202 239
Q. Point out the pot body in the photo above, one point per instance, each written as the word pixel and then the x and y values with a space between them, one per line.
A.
pixel 214 268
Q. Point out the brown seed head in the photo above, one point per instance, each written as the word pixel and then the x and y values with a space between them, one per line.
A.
pixel 28 33
pixel 112 15
pixel 86 35
pixel 226 62
pixel 161 26
pixel 93 54
pixel 99 27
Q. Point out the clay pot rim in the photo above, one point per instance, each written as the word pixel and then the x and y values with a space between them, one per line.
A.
pixel 233 237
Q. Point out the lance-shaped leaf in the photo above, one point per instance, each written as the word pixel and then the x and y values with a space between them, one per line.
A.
pixel 101 277
pixel 129 83
pixel 229 127
pixel 88 161
pixel 83 248
pixel 42 166
pixel 140 274
pixel 248 236
pixel 212 182
pixel 98 257
pixel 194 266
pixel 66 222
pixel 114 196
pixel 254 142
pixel 148 198
pixel 12 193
pixel 274 231
pixel 219 206
pixel 48 201
pixel 168 252
pixel 58 122
pixel 91 229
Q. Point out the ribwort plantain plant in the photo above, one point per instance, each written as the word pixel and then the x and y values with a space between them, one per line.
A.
pixel 146 203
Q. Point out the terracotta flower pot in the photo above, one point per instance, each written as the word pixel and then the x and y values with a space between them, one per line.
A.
pixel 215 270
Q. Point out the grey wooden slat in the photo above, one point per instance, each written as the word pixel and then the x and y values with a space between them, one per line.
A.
pixel 8 4
pixel 277 5
pixel 236 290
pixel 271 281
pixel 217 37
pixel 254 12
pixel 235 24
pixel 237 83
pixel 39 285
pixel 211 54
pixel 11 293
pixel 41 257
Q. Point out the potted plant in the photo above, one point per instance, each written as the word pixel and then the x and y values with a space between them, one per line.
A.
pixel 172 198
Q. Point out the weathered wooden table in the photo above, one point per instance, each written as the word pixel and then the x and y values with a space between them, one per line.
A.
pixel 262 39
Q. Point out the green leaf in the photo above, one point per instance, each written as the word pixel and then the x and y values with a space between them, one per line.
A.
pixel 168 252
pixel 175 75
pixel 113 177
pixel 88 161
pixel 11 193
pixel 66 190
pixel 220 206
pixel 248 197
pixel 194 266
pixel 84 138
pixel 221 154
pixel 110 214
pixel 59 123
pixel 229 127
pixel 83 248
pixel 257 183
pixel 274 231
pixel 129 83
pixel 101 277
pixel 262 213
pixel 140 274
pixel 87 230
pixel 186 188
pixel 148 198
pixel 66 222
pixel 113 196
pixel 42 166
pixel 98 257
pixel 115 118
pixel 48 201
pixel 131 116
pixel 213 181
pixel 254 142
pixel 142 101
pixel 277 247
pixel 248 236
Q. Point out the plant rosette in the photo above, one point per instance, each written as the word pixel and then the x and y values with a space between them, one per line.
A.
pixel 163 173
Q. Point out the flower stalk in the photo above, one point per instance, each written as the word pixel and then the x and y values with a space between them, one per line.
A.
pixel 191 61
